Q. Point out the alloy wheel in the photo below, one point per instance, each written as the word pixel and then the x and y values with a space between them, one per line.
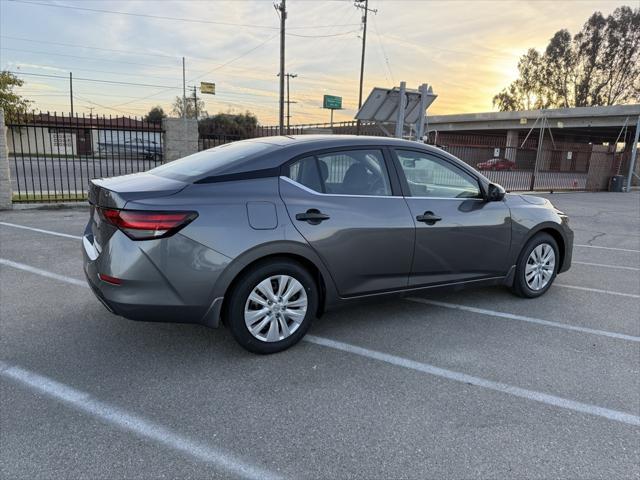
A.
pixel 540 267
pixel 275 308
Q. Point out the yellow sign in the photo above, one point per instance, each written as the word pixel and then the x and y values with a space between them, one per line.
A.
pixel 206 87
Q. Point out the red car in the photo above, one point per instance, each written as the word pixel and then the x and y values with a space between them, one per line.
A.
pixel 497 164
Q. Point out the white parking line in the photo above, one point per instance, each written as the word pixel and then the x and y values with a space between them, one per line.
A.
pixel 534 395
pixel 58 234
pixel 44 273
pixel 608 248
pixel 522 318
pixel 597 290
pixel 403 362
pixel 604 265
pixel 133 423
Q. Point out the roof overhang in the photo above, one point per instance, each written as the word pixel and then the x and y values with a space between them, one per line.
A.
pixel 581 117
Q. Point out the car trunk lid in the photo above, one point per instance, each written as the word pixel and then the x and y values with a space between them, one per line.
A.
pixel 116 192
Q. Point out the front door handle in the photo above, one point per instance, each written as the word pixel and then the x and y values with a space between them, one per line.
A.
pixel 313 216
pixel 429 218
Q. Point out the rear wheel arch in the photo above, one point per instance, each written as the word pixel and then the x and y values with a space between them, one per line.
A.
pixel 241 266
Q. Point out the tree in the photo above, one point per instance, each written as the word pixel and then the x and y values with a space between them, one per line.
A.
pixel 155 115
pixel 241 125
pixel 11 102
pixel 180 106
pixel 600 65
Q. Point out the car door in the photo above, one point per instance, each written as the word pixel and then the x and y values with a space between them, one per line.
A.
pixel 459 235
pixel 353 214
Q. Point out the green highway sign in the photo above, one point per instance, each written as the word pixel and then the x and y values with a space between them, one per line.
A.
pixel 207 87
pixel 332 102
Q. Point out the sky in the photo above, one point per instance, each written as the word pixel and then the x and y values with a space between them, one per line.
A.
pixel 466 50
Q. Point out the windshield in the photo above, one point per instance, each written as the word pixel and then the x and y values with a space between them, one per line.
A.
pixel 210 161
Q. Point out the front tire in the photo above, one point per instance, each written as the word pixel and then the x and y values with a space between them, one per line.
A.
pixel 537 266
pixel 272 306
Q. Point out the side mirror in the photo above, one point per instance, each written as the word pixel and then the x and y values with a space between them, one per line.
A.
pixel 495 192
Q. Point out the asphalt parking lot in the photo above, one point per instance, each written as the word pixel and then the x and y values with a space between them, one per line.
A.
pixel 474 383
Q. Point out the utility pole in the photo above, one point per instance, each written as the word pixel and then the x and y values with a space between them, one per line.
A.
pixel 195 102
pixel 71 91
pixel 90 110
pixel 282 11
pixel 288 101
pixel 184 92
pixel 364 45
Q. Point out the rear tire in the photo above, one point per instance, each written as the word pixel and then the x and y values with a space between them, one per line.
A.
pixel 272 306
pixel 537 266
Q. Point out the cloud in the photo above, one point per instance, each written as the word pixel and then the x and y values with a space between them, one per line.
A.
pixel 466 50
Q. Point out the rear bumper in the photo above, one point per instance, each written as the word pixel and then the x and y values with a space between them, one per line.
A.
pixel 146 294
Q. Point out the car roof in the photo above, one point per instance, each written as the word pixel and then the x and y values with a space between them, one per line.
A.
pixel 331 141
pixel 281 149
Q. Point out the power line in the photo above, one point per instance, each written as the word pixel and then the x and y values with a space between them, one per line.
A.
pixel 87 58
pixel 384 51
pixel 323 36
pixel 30 40
pixel 92 80
pixel 67 69
pixel 163 17
pixel 206 73
pixel 236 58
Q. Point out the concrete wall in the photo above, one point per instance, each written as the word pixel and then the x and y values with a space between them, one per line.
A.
pixel 5 181
pixel 180 137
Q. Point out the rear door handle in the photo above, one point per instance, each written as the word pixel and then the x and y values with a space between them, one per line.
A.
pixel 429 218
pixel 313 216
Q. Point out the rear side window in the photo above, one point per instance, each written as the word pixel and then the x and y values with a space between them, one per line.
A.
pixel 305 172
pixel 352 172
pixel 213 161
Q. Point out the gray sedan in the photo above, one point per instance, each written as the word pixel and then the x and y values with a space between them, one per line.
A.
pixel 264 235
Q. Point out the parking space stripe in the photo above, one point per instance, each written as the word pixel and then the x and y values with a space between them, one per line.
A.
pixel 534 395
pixel 44 273
pixel 597 290
pixel 604 265
pixel 40 230
pixel 608 248
pixel 522 318
pixel 80 401
pixel 133 423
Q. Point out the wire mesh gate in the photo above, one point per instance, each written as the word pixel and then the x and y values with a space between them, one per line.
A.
pixel 52 157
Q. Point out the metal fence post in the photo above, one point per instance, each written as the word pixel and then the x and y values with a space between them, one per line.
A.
pixel 634 154
pixel 401 107
pixel 6 190
pixel 424 92
pixel 539 154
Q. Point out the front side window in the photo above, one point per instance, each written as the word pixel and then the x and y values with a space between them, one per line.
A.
pixel 351 172
pixel 429 176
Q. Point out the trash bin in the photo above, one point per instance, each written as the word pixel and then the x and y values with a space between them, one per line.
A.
pixel 616 184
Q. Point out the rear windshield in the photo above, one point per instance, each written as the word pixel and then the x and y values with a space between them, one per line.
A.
pixel 215 161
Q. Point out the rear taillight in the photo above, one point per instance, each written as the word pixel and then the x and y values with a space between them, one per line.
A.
pixel 146 225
